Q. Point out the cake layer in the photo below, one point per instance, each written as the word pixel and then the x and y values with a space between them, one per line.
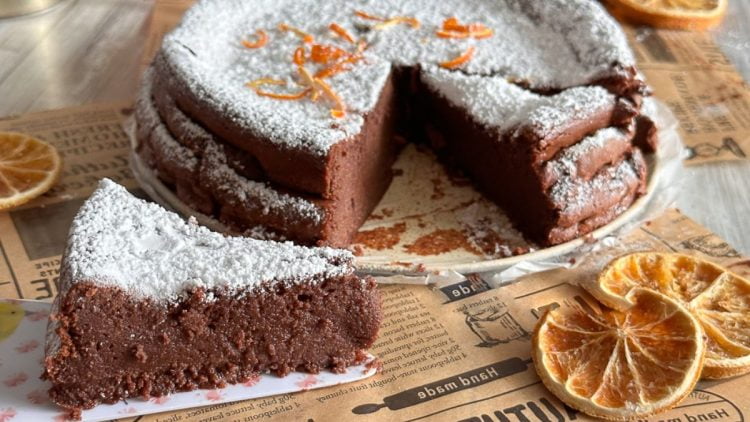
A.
pixel 587 157
pixel 220 187
pixel 550 199
pixel 216 179
pixel 555 123
pixel 575 200
pixel 149 304
pixel 142 348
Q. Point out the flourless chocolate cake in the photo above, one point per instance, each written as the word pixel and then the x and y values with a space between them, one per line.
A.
pixel 282 116
pixel 149 304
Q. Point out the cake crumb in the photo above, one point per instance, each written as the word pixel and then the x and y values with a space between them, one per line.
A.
pixel 381 238
pixel 440 242
pixel 357 250
pixel 139 354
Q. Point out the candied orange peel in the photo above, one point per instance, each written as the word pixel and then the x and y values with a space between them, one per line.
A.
pixel 304 36
pixel 460 60
pixel 324 54
pixel 341 32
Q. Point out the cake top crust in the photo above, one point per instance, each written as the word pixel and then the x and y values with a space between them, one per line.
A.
pixel 546 44
pixel 119 240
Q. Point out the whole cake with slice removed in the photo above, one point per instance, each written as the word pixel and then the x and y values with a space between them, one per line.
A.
pixel 284 114
pixel 149 304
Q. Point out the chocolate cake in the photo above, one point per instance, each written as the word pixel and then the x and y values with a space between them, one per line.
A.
pixel 149 304
pixel 285 116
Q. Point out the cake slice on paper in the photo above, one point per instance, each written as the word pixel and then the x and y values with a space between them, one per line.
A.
pixel 149 304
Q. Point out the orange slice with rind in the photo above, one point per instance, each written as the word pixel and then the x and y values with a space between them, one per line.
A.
pixel 718 298
pixel 671 14
pixel 620 365
pixel 29 167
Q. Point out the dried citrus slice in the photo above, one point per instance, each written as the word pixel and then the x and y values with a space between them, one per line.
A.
pixel 718 298
pixel 673 14
pixel 620 365
pixel 28 168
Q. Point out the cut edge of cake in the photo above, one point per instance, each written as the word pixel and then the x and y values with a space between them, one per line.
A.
pixel 149 304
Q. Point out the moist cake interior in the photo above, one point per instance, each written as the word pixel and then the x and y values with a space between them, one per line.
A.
pixel 149 304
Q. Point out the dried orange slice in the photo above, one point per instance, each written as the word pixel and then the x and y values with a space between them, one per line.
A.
pixel 28 168
pixel 719 299
pixel 673 14
pixel 620 365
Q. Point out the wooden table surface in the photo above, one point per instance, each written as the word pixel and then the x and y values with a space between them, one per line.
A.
pixel 86 51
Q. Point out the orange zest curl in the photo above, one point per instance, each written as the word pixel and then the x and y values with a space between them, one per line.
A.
pixel 460 60
pixel 452 24
pixel 386 23
pixel 452 28
pixel 262 39
pixel 341 32
pixel 361 47
pixel 413 22
pixel 482 33
pixel 338 67
pixel 365 15
pixel 308 80
pixel 326 53
pixel 442 33
pixel 256 84
pixel 264 81
pixel 340 110
pixel 297 96
pixel 306 38
pixel 299 56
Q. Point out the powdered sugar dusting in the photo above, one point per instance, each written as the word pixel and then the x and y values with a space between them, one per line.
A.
pixel 249 193
pixel 119 240
pixel 499 104
pixel 567 161
pixel 252 194
pixel 571 195
pixel 546 43
pixel 571 105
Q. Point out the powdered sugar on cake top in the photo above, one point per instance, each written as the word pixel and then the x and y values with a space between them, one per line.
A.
pixel 119 240
pixel 546 43
pixel 501 105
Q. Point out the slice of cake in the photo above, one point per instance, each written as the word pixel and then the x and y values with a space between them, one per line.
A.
pixel 149 304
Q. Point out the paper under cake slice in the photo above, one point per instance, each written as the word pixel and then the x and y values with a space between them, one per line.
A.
pixel 149 304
